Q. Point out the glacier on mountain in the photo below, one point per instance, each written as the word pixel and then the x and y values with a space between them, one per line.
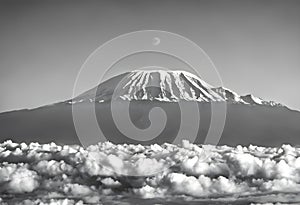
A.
pixel 165 86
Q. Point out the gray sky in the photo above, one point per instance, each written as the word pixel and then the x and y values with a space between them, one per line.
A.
pixel 254 44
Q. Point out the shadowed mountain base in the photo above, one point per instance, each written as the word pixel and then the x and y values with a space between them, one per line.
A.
pixel 245 124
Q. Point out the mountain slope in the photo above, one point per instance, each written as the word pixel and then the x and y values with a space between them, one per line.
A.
pixel 165 86
pixel 249 120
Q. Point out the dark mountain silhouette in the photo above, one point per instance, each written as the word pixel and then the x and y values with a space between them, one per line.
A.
pixel 249 120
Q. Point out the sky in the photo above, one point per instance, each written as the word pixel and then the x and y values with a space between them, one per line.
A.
pixel 254 44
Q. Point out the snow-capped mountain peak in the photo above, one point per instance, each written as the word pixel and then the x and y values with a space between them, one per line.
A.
pixel 229 95
pixel 166 86
pixel 252 100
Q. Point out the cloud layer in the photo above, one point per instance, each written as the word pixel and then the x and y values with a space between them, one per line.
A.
pixel 55 174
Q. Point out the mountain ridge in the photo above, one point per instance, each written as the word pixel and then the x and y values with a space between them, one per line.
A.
pixel 174 86
pixel 249 120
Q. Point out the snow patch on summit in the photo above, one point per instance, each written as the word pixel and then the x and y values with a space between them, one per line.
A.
pixel 229 95
pixel 252 100
pixel 165 86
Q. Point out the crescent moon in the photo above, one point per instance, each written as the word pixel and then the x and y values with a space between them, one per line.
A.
pixel 156 41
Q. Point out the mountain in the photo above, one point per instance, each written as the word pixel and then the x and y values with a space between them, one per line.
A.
pixel 249 119
pixel 164 86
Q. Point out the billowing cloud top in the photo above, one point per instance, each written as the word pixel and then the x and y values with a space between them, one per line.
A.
pixel 50 173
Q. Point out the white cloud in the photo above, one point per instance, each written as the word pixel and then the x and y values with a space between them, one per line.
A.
pixel 22 180
pixel 165 171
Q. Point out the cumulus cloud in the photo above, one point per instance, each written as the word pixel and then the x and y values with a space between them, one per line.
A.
pixel 107 170
pixel 53 168
pixel 22 181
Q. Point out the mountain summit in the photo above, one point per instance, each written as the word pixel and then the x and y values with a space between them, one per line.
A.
pixel 165 86
pixel 249 119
